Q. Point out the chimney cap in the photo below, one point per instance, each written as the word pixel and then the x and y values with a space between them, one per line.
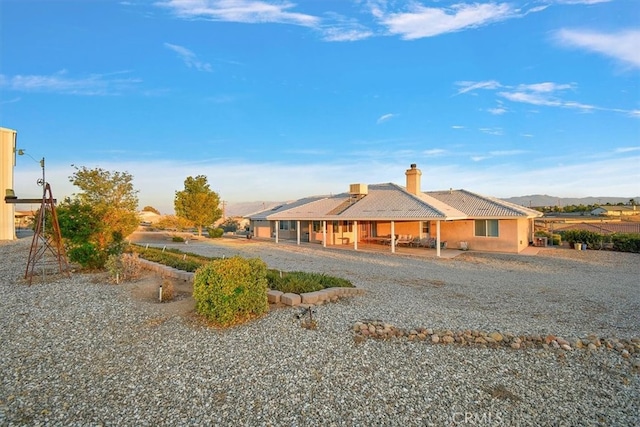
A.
pixel 413 165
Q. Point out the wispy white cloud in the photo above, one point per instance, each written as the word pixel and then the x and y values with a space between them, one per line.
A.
pixel 581 1
pixel 622 46
pixel 544 94
pixel 189 58
pixel 60 82
pixel 498 111
pixel 245 11
pixel 547 94
pixel 479 158
pixel 346 34
pixel 420 21
pixel 507 152
pixel 434 152
pixel 385 118
pixel 466 86
pixel 457 127
pixel 626 149
pixel 545 87
pixel 340 29
pixel 497 153
pixel 492 131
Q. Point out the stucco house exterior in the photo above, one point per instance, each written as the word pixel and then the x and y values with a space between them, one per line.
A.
pixel 374 213
pixel 617 211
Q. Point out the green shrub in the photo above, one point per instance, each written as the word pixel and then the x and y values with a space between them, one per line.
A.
pixel 232 290
pixel 215 233
pixel 301 282
pixel 171 257
pixel 622 242
pixel 87 255
pixel 626 242
pixel 177 239
pixel 592 239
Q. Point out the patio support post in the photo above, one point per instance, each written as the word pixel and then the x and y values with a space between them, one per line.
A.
pixel 438 238
pixel 393 237
pixel 298 230
pixel 324 233
pixel 355 235
pixel 277 228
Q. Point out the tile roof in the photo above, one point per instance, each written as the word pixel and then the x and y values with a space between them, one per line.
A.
pixel 312 210
pixel 390 201
pixel 262 215
pixel 477 206
pixel 386 202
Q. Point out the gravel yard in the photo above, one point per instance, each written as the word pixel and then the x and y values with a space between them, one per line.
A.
pixel 79 351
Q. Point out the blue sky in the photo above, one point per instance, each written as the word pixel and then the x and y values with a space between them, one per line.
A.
pixel 276 100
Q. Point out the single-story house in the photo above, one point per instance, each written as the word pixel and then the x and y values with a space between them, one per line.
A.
pixel 395 215
pixel 616 211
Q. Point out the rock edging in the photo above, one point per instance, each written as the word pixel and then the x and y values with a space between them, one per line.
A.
pixel 384 331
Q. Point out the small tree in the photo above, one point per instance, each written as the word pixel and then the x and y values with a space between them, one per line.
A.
pixel 95 222
pixel 198 203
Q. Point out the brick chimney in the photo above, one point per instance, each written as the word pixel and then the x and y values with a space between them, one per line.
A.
pixel 413 179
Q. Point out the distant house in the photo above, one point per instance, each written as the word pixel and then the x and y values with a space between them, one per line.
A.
pixel 149 217
pixel 395 215
pixel 24 219
pixel 618 211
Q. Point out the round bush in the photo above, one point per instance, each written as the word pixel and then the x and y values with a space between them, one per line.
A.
pixel 232 290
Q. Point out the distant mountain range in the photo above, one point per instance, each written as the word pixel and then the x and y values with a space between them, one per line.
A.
pixel 534 200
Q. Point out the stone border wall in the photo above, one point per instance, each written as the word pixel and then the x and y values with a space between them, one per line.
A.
pixel 274 297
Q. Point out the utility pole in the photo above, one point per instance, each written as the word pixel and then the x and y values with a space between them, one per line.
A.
pixel 224 205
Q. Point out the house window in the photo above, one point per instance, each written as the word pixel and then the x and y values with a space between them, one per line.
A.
pixel 426 228
pixel 317 226
pixel 292 225
pixel 335 226
pixel 486 227
pixel 284 225
pixel 347 226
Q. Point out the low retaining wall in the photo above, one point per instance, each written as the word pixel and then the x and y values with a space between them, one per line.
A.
pixel 167 271
pixel 312 298
pixel 274 297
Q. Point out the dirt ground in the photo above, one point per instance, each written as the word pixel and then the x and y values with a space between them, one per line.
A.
pixel 146 291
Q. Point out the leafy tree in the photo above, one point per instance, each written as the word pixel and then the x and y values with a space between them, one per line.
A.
pixel 198 203
pixel 96 220
pixel 150 209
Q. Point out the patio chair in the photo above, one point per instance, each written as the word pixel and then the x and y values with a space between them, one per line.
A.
pixel 404 239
